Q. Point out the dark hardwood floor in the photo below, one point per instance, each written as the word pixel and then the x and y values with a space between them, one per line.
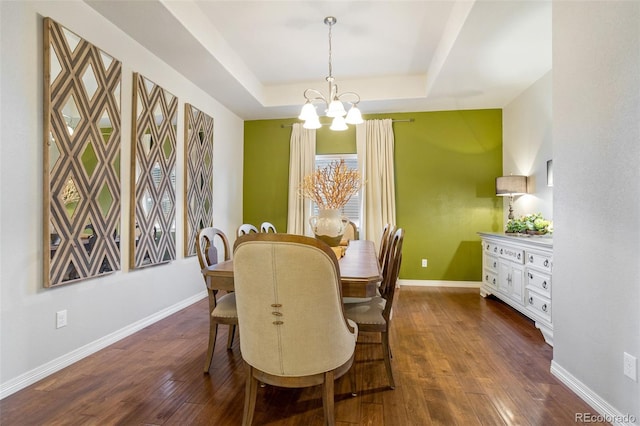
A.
pixel 459 359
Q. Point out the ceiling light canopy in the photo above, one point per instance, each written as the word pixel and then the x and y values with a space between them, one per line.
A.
pixel 334 106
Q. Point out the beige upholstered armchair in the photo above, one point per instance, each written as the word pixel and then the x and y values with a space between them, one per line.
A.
pixel 292 325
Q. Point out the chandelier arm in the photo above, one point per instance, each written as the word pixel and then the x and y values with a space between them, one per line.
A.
pixel 349 94
pixel 318 96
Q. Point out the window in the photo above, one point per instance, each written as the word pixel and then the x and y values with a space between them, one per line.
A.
pixel 352 208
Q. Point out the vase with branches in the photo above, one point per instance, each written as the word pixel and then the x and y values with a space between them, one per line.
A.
pixel 331 187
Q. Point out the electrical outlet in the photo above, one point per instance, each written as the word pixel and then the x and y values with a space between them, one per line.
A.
pixel 424 263
pixel 630 367
pixel 61 319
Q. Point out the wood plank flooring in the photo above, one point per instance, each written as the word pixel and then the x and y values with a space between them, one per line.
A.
pixel 459 359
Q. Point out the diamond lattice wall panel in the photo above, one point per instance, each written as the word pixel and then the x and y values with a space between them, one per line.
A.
pixel 198 175
pixel 81 128
pixel 153 159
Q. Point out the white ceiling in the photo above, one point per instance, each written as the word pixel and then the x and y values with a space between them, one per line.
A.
pixel 257 57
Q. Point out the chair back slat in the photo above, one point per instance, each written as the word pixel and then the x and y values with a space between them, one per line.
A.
pixel 246 228
pixel 388 286
pixel 267 227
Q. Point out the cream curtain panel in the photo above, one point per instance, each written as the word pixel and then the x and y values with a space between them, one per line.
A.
pixel 301 163
pixel 375 146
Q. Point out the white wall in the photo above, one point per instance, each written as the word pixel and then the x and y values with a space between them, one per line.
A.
pixel 527 145
pixel 596 144
pixel 98 309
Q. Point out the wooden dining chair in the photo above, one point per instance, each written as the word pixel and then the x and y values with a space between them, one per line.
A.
pixel 222 309
pixel 385 242
pixel 350 233
pixel 291 319
pixel 374 315
pixel 267 227
pixel 246 228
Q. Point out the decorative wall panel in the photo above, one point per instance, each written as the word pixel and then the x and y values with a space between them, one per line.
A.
pixel 153 162
pixel 81 128
pixel 198 175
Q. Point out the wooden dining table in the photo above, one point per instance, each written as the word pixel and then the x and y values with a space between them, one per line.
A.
pixel 359 271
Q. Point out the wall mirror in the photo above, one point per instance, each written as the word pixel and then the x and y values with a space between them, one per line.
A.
pixel 198 208
pixel 81 128
pixel 153 161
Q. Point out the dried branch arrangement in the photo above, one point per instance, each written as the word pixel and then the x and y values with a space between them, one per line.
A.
pixel 331 187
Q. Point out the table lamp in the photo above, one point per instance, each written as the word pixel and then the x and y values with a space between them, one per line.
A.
pixel 510 186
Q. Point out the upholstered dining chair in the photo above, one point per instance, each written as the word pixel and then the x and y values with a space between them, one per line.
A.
pixel 374 315
pixel 246 228
pixel 222 309
pixel 267 227
pixel 291 317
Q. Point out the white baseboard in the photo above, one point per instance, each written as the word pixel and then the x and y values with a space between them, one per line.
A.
pixel 607 412
pixel 30 377
pixel 439 283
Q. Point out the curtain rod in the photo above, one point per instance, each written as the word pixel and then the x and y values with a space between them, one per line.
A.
pixel 407 120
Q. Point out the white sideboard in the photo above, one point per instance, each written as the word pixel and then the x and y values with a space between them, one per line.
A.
pixel 518 271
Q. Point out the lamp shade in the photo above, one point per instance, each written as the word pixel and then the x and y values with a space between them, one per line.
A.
pixel 336 109
pixel 338 123
pixel 354 116
pixel 511 185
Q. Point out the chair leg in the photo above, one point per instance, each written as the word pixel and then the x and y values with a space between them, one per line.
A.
pixel 213 333
pixel 352 379
pixel 231 335
pixel 327 399
pixel 251 392
pixel 386 351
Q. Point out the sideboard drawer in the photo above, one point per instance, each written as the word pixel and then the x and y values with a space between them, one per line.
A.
pixel 539 305
pixel 491 279
pixel 490 263
pixel 511 253
pixel 539 261
pixel 491 248
pixel 541 282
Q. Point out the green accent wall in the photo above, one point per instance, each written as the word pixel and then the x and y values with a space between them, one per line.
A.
pixel 446 163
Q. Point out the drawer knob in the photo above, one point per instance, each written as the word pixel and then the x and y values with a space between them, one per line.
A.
pixel 494 281
pixel 544 285
pixel 500 251
pixel 495 264
pixel 495 249
pixel 530 275
pixel 546 262
pixel 531 300
pixel 530 259
pixel 519 256
pixel 544 307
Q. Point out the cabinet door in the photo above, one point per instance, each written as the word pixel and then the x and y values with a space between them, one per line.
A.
pixel 511 280
pixel 517 283
pixel 504 277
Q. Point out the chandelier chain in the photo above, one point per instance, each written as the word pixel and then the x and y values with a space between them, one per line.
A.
pixel 330 65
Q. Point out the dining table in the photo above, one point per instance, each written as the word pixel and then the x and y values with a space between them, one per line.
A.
pixel 360 271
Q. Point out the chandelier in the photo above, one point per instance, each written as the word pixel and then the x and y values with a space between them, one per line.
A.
pixel 334 107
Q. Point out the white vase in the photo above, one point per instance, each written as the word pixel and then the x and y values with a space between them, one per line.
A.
pixel 329 226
